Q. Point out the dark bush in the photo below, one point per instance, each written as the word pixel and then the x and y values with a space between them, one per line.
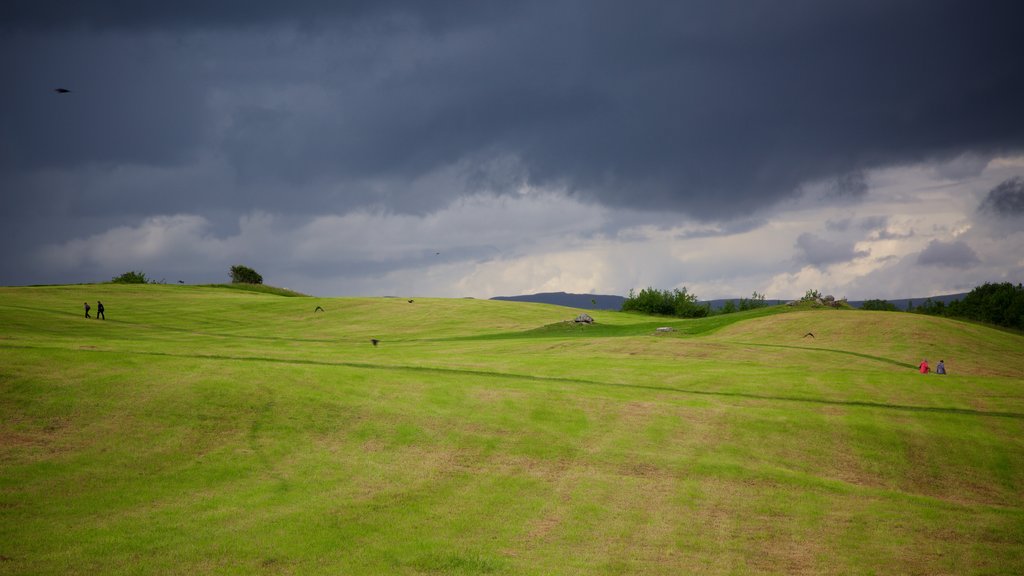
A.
pixel 245 275
pixel 881 305
pixel 676 302
pixel 133 277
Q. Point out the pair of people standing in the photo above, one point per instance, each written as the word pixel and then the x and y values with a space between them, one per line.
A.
pixel 99 310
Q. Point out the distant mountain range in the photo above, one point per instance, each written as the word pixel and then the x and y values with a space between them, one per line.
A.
pixel 586 301
pixel 611 302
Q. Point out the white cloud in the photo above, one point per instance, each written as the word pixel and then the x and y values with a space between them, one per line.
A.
pixel 543 240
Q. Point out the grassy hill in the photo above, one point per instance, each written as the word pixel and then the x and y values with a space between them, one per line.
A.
pixel 210 430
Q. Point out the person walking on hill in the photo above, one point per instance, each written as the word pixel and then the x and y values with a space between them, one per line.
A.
pixel 99 311
pixel 940 368
pixel 924 367
pixel 87 310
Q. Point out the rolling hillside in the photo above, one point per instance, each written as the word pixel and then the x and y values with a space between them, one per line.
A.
pixel 208 430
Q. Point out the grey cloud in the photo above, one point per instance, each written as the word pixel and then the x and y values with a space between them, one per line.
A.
pixel 957 254
pixel 890 235
pixel 728 228
pixel 1006 199
pixel 132 102
pixel 838 225
pixel 716 110
pixel 868 223
pixel 694 108
pixel 151 14
pixel 850 186
pixel 874 223
pixel 819 252
pixel 967 165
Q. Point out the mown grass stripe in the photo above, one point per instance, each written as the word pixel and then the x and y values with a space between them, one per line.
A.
pixel 535 378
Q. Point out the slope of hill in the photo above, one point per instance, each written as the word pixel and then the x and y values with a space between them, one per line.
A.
pixel 203 429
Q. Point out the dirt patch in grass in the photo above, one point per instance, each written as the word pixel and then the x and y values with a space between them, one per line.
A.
pixel 543 527
pixel 45 442
pixel 634 414
pixel 492 395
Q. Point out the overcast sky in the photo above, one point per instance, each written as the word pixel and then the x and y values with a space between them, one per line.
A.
pixel 471 148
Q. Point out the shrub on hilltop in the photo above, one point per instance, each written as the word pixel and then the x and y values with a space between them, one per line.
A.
pixel 131 277
pixel 880 305
pixel 245 275
pixel 677 302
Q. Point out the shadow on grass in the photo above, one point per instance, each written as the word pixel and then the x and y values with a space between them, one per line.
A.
pixel 554 379
pixel 835 351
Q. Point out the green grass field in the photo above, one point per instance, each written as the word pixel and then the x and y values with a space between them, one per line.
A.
pixel 209 430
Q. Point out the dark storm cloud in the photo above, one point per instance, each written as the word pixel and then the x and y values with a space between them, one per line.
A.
pixel 150 14
pixel 1006 199
pixel 955 254
pixel 684 106
pixel 819 252
pixel 715 109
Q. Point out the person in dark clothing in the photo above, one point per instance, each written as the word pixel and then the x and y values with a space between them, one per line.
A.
pixel 940 368
pixel 87 310
pixel 99 310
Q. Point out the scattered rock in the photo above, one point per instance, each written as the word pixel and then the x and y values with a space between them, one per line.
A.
pixel 584 318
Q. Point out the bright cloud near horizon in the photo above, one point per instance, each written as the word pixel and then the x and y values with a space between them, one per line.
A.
pixel 458 148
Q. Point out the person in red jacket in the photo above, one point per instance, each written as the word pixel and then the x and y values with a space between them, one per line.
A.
pixel 924 366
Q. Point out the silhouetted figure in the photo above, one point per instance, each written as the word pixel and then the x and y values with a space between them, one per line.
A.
pixel 811 334
pixel 411 301
pixel 62 91
pixel 317 309
pixel 99 311
pixel 87 308
pixel 181 281
pixel 374 340
pixel 940 368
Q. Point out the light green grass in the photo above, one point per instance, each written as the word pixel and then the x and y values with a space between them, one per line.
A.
pixel 210 430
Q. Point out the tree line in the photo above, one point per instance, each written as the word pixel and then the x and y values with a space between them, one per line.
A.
pixel 680 302
pixel 1000 304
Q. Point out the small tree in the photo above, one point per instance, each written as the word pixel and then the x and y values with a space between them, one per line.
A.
pixel 755 301
pixel 132 277
pixel 245 275
pixel 811 296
